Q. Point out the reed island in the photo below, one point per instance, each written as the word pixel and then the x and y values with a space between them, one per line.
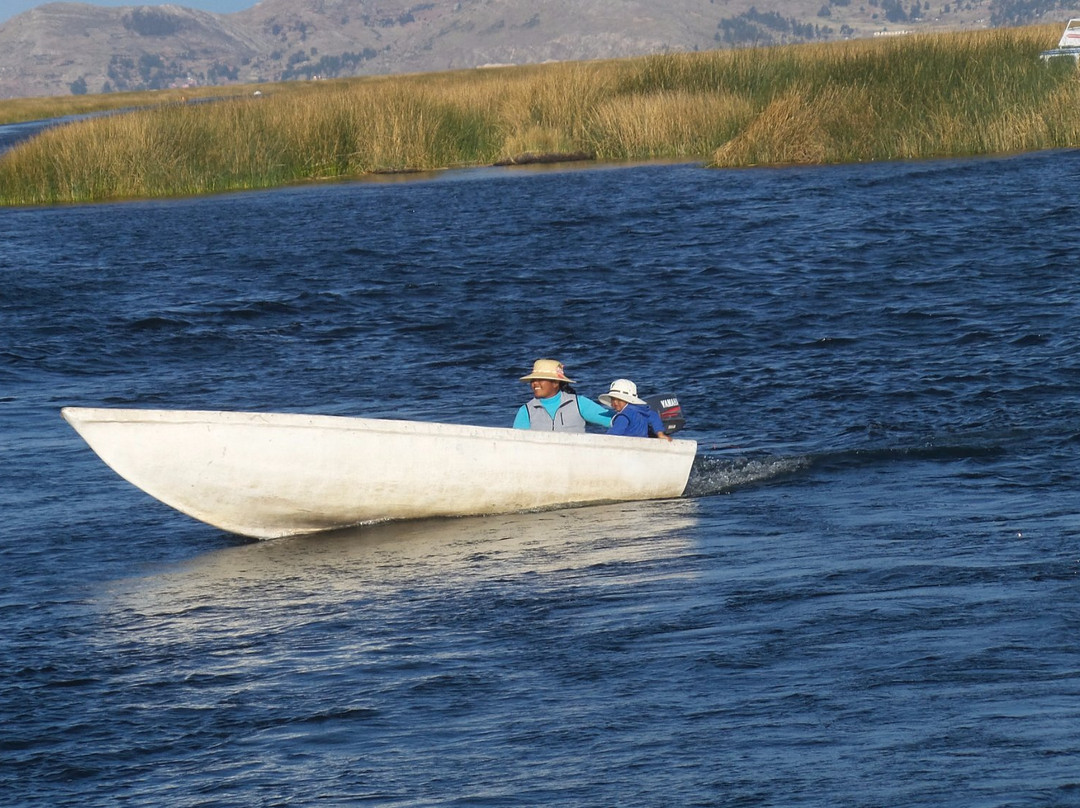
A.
pixel 889 98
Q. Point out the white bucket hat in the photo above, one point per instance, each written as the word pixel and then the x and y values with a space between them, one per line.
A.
pixel 622 389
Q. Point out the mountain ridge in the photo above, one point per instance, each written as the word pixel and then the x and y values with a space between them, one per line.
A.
pixel 62 48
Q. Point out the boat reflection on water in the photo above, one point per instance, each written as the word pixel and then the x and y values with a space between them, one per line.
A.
pixel 382 561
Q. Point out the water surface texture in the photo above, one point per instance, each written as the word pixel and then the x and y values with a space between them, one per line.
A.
pixel 867 597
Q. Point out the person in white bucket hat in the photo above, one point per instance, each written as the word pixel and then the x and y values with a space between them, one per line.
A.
pixel 633 417
pixel 556 406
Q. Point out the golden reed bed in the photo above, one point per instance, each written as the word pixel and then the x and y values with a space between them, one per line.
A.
pixel 922 96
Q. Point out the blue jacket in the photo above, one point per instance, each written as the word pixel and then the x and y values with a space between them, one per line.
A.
pixel 634 422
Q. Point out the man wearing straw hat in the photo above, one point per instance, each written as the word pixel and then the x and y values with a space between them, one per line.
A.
pixel 556 406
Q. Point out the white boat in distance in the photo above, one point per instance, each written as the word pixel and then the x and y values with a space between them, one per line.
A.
pixel 267 475
pixel 1068 45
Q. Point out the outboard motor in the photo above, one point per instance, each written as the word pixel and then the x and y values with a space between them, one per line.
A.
pixel 670 410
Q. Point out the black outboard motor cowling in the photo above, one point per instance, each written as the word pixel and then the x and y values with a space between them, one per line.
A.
pixel 670 410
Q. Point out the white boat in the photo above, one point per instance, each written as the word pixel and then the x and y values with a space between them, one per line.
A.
pixel 267 475
pixel 1068 45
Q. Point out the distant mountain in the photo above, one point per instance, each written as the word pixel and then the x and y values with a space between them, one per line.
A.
pixel 63 48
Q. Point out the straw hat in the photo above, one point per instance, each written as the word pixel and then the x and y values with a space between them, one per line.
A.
pixel 622 389
pixel 547 369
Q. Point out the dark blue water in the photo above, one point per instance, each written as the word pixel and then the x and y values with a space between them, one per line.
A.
pixel 869 595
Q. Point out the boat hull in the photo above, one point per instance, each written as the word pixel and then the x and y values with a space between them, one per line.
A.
pixel 267 475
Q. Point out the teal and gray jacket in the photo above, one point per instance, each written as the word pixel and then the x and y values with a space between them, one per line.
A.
pixel 562 412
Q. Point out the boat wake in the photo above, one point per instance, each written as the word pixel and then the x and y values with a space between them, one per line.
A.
pixel 721 473
pixel 713 474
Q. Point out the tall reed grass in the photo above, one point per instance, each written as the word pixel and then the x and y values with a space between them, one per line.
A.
pixel 913 97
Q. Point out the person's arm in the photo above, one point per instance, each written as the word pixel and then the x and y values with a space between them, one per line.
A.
pixel 657 424
pixel 594 413
pixel 521 420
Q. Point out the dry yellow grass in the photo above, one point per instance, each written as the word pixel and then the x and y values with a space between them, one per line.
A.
pixel 899 98
pixel 666 124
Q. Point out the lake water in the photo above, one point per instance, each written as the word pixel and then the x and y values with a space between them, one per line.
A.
pixel 869 595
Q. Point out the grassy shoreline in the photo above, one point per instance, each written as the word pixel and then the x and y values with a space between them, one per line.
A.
pixel 922 96
pixel 39 108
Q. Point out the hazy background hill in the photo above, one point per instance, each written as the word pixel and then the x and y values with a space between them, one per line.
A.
pixel 64 48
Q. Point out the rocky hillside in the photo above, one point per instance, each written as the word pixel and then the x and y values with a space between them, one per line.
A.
pixel 63 48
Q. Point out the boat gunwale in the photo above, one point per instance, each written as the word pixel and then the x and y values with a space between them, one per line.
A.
pixel 251 418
